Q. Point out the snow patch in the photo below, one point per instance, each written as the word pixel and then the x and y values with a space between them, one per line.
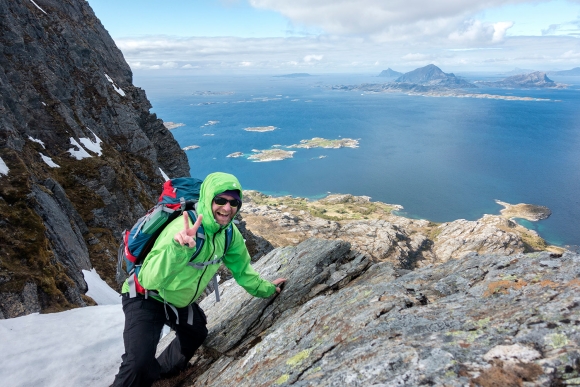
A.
pixel 36 140
pixel 99 290
pixel 78 154
pixel 49 161
pixel 79 347
pixel 38 7
pixel 117 88
pixel 4 168
pixel 92 146
pixel 164 174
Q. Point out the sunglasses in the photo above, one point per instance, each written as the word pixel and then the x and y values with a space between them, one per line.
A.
pixel 222 202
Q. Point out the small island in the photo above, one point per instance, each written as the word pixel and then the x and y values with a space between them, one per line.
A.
pixel 260 129
pixel 172 125
pixel 318 142
pixel 210 123
pixel 235 154
pixel 529 212
pixel 190 147
pixel 271 155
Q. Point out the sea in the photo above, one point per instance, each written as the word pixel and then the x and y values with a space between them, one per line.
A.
pixel 441 158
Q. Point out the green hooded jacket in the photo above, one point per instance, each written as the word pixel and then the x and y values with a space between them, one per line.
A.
pixel 165 268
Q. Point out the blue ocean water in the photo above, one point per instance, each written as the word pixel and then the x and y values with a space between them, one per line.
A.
pixel 441 158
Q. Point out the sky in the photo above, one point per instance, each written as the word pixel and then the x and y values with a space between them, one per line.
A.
pixel 342 36
pixel 79 347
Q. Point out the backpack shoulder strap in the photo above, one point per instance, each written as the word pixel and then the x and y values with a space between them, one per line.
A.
pixel 199 237
pixel 229 237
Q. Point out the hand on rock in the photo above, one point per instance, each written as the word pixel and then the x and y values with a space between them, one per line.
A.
pixel 280 282
pixel 187 235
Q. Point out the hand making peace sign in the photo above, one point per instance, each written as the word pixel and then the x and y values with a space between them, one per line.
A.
pixel 187 235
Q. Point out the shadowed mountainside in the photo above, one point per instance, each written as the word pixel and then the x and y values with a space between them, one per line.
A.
pixel 82 153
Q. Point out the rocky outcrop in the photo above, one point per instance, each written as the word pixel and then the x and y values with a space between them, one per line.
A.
pixel 80 153
pixel 489 235
pixel 372 229
pixel 343 320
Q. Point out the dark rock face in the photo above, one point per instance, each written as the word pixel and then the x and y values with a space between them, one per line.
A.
pixel 345 321
pixel 83 153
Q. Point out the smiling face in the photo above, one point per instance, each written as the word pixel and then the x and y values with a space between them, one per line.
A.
pixel 224 214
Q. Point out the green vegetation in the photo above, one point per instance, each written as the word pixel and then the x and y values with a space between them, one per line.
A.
pixel 333 207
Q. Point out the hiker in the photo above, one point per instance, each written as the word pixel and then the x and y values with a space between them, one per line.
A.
pixel 173 286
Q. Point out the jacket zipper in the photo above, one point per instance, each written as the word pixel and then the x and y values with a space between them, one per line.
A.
pixel 204 270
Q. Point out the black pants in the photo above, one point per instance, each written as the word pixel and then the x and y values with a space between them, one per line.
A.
pixel 144 320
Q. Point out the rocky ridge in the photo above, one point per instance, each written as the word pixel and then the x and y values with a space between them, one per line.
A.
pixel 346 320
pixel 535 79
pixel 82 153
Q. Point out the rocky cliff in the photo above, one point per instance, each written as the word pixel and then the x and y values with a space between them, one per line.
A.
pixel 80 154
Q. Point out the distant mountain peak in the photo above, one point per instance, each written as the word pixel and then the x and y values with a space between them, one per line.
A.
pixel 390 73
pixel 423 75
pixel 432 75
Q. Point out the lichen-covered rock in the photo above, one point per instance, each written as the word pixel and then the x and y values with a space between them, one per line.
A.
pixel 479 320
pixel 82 152
pixel 491 234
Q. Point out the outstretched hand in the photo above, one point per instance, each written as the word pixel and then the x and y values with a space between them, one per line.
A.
pixel 279 282
pixel 187 235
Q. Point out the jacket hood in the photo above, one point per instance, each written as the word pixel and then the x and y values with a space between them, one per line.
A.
pixel 213 185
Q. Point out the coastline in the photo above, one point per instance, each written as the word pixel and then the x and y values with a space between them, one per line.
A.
pixel 324 203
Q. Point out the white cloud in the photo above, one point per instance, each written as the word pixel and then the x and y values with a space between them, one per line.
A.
pixel 375 16
pixel 313 58
pixel 571 55
pixel 500 30
pixel 473 44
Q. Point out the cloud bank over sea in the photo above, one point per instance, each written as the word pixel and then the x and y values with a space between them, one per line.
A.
pixel 370 35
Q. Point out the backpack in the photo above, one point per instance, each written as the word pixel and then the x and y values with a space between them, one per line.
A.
pixel 179 195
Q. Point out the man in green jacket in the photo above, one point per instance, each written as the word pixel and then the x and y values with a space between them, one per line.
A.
pixel 173 286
